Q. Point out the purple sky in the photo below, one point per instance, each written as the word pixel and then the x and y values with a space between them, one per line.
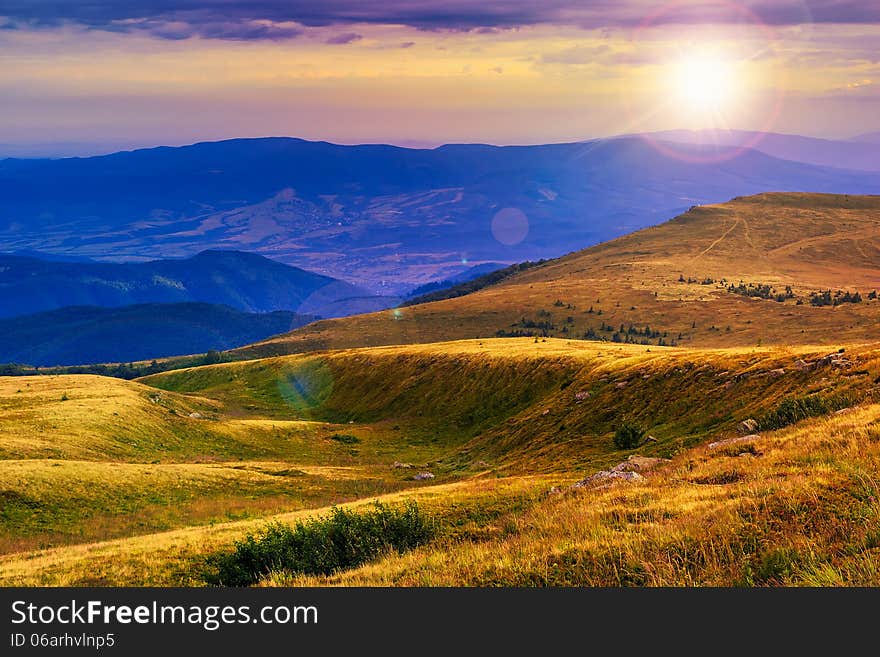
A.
pixel 104 74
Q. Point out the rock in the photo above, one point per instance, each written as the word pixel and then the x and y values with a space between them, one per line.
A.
pixel 481 464
pixel 636 463
pixel 196 416
pixel 777 372
pixel 840 362
pixel 803 365
pixel 621 384
pixel 733 441
pixel 607 476
pixel 546 411
pixel 581 396
pixel 398 464
pixel 644 463
pixel 747 426
pixel 422 476
pixel 555 490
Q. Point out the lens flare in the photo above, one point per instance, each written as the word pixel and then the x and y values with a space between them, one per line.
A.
pixel 705 83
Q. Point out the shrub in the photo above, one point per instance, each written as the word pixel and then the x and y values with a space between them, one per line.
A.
pixel 321 546
pixel 628 436
pixel 345 438
pixel 795 409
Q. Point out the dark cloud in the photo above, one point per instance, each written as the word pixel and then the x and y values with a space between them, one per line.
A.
pixel 342 39
pixel 279 19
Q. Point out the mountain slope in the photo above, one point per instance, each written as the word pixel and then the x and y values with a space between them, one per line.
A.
pixel 499 421
pixel 384 217
pixel 670 282
pixel 244 281
pixel 86 334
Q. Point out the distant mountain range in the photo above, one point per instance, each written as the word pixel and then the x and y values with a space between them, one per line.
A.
pixel 860 153
pixel 868 137
pixel 384 218
pixel 87 334
pixel 244 281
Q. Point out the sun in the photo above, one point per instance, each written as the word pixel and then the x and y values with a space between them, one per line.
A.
pixel 704 83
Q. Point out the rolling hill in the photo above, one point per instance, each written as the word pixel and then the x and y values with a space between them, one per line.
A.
pixel 143 481
pixel 244 281
pixel 77 335
pixel 752 465
pixel 710 277
pixel 383 217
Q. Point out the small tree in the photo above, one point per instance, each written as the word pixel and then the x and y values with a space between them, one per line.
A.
pixel 628 436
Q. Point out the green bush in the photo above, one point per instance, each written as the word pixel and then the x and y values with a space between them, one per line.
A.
pixel 628 436
pixel 795 409
pixel 321 546
pixel 345 438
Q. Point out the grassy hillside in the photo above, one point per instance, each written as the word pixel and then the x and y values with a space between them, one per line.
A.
pixel 498 422
pixel 669 282
pixel 755 457
pixel 793 507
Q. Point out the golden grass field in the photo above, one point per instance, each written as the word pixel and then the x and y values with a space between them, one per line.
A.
pixel 112 482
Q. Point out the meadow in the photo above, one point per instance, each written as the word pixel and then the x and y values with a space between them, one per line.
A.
pixel 752 395
pixel 499 423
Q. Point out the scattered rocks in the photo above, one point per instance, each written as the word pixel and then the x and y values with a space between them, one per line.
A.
pixel 733 441
pixel 607 476
pixel 422 476
pixel 628 470
pixel 835 360
pixel 399 464
pixel 747 426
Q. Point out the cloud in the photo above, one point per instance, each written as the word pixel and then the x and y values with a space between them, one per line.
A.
pixel 342 39
pixel 576 55
pixel 282 19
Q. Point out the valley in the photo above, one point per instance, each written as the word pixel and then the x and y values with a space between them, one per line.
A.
pixel 500 412
pixel 113 482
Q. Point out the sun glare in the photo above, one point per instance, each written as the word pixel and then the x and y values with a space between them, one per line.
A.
pixel 704 84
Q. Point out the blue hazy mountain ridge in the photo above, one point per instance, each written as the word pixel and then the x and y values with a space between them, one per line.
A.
pixel 861 153
pixel 82 335
pixel 868 138
pixel 383 217
pixel 244 281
